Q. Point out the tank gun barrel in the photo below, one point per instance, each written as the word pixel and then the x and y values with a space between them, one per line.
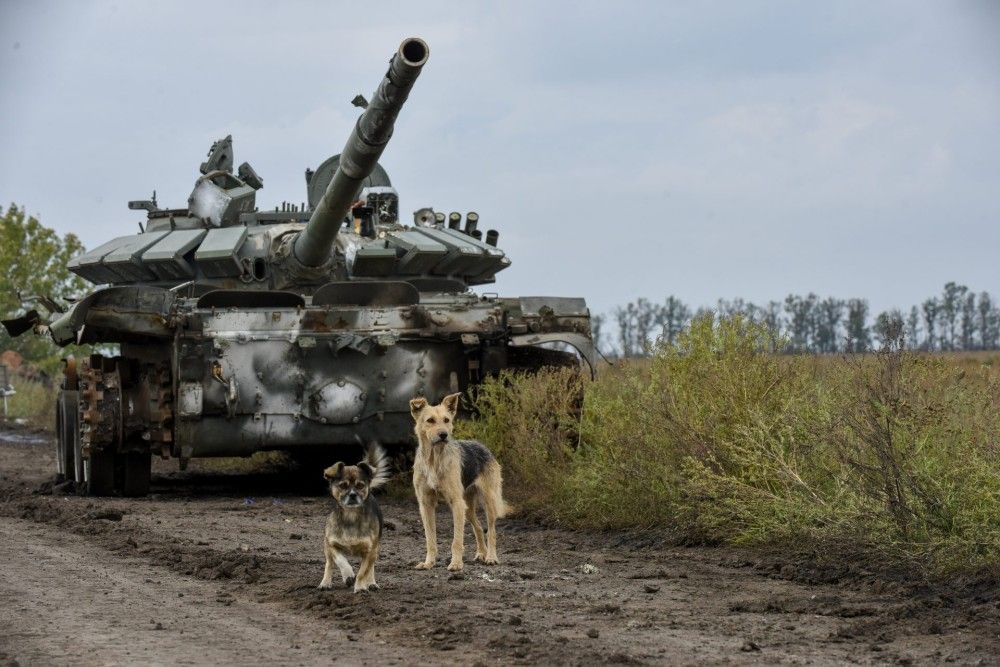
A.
pixel 361 153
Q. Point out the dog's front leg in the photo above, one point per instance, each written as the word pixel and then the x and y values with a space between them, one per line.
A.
pixel 428 506
pixel 327 581
pixel 346 571
pixel 457 542
pixel 366 571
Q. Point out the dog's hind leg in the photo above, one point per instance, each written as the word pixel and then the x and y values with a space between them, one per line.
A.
pixel 491 492
pixel 428 506
pixel 366 571
pixel 471 498
pixel 491 532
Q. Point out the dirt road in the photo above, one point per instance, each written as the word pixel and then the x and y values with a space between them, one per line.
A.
pixel 220 569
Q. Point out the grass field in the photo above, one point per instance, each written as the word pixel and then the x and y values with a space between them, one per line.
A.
pixel 893 457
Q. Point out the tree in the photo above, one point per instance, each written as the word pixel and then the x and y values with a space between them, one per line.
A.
pixel 672 318
pixel 597 330
pixel 625 318
pixel 951 304
pixel 913 327
pixel 737 307
pixel 888 327
pixel 989 319
pixel 771 316
pixel 830 313
pixel 801 320
pixel 34 261
pixel 858 334
pixel 645 316
pixel 968 321
pixel 931 308
pixel 958 319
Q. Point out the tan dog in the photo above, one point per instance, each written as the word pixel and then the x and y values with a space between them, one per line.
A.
pixel 462 472
pixel 354 527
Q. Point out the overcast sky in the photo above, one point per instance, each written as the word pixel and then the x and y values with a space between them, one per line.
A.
pixel 622 150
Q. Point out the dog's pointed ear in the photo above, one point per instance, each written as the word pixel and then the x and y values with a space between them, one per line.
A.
pixel 335 471
pixel 367 470
pixel 416 405
pixel 450 402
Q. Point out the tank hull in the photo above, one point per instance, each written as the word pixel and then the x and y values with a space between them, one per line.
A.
pixel 212 379
pixel 314 377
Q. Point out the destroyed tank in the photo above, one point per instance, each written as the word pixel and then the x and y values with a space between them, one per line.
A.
pixel 306 328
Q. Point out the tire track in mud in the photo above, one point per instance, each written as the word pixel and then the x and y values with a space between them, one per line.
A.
pixel 559 597
pixel 72 605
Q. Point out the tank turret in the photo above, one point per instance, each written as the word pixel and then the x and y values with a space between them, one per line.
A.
pixel 361 153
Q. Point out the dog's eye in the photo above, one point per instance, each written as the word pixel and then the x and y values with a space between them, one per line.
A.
pixel 446 420
pixel 343 485
pixel 360 485
pixel 430 420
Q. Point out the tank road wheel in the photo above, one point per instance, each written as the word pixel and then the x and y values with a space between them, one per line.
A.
pixel 100 423
pixel 94 476
pixel 134 471
pixel 79 472
pixel 67 426
pixel 100 473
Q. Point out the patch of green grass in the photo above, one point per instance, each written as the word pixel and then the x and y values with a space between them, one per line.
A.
pixel 34 402
pixel 719 440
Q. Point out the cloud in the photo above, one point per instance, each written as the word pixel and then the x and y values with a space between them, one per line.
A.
pixel 703 149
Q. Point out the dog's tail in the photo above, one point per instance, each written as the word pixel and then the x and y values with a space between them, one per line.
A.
pixel 493 478
pixel 505 509
pixel 379 461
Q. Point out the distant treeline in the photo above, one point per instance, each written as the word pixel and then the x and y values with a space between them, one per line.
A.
pixel 957 319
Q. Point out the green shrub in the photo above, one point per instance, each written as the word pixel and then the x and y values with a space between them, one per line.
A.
pixel 531 422
pixel 34 402
pixel 719 439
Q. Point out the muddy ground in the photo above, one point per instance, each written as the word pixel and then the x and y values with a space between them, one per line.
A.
pixel 222 569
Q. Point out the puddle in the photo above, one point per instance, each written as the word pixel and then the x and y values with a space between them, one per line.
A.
pixel 23 438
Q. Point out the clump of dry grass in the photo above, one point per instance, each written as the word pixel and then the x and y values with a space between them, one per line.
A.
pixel 718 439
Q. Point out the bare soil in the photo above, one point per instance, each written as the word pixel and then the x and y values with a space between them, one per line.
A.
pixel 222 569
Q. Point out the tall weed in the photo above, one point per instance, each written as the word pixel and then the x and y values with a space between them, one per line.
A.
pixel 531 422
pixel 719 439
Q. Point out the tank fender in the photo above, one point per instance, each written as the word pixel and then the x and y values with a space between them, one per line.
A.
pixel 140 309
pixel 580 342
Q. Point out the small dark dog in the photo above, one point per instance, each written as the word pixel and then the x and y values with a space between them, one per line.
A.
pixel 354 527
